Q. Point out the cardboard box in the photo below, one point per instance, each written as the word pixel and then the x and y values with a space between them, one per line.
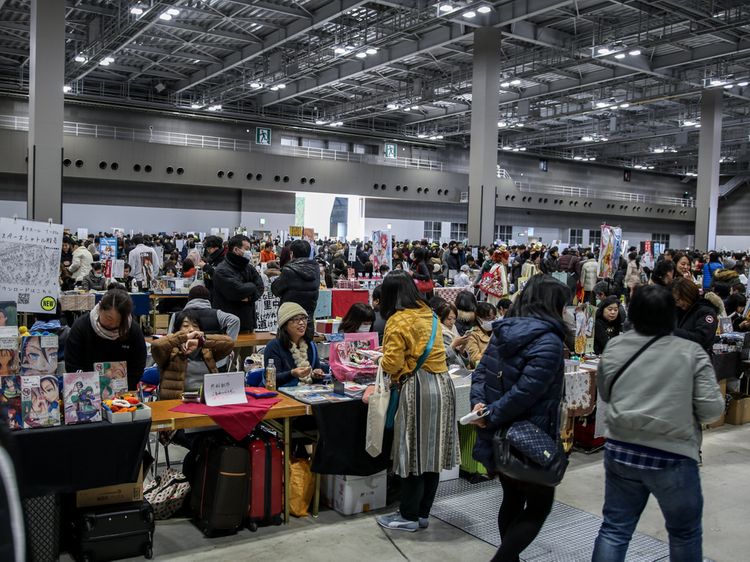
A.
pixel 354 494
pixel 739 410
pixel 722 419
pixel 109 495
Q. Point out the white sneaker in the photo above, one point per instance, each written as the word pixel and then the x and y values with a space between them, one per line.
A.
pixel 395 522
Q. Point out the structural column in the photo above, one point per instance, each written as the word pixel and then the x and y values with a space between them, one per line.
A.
pixel 709 153
pixel 485 96
pixel 46 80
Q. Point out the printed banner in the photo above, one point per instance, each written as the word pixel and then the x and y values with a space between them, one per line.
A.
pixel 30 253
pixel 267 312
pixel 382 253
pixel 606 252
pixel 107 249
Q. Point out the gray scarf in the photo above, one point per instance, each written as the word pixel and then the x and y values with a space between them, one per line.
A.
pixel 100 330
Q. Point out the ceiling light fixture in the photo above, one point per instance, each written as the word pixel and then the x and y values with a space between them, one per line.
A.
pixel 624 105
pixel 274 88
pixel 421 136
pixel 339 50
pixel 166 16
pixel 502 124
pixel 658 150
pixel 689 123
pixel 336 124
pixel 742 84
pixel 173 12
pixel 433 137
pixel 620 56
pixel 281 86
pixel 446 8
pixel 507 148
pixel 470 14
pixel 587 138
pixel 320 121
pixel 414 107
pixel 602 104
pixel 603 139
pixel 104 62
pixel 216 107
pixel 515 82
pixel 372 51
pixel 256 85
pixel 136 10
pixel 523 149
pixel 484 9
pixel 604 51
pixel 635 52
pixel 505 84
pixel 650 167
pixel 407 109
pixel 361 55
pixel 66 89
pixel 591 158
pixel 196 105
pixel 439 137
pixel 80 58
pixel 391 106
pixel 577 157
pixel 728 86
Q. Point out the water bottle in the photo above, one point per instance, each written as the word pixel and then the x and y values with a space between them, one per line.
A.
pixel 271 375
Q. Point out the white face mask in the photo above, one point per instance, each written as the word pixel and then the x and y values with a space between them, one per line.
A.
pixel 248 255
pixel 365 328
pixel 486 325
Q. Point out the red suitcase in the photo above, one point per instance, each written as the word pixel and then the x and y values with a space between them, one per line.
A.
pixel 266 482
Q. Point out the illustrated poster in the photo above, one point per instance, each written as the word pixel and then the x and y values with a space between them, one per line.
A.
pixel 382 253
pixel 40 401
pixel 38 355
pixel 82 398
pixel 30 253
pixel 107 249
pixel 113 378
pixel 606 252
pixel 10 396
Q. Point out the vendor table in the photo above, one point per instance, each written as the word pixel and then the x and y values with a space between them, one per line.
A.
pixel 343 299
pixel 162 419
pixel 727 365
pixel 76 457
pixel 244 339
pixel 83 302
pixel 449 293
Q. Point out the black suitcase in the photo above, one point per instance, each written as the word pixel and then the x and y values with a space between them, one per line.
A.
pixel 221 488
pixel 113 532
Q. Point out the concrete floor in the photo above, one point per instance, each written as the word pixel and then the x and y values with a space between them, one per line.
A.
pixel 725 477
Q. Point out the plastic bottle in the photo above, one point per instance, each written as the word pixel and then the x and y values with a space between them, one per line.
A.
pixel 271 375
pixel 248 363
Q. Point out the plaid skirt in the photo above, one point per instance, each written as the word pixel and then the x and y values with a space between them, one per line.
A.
pixel 425 435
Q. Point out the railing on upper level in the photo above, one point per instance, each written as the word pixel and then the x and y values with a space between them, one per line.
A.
pixel 574 191
pixel 220 143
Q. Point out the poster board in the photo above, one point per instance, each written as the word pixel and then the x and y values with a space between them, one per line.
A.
pixel 267 312
pixel 295 231
pixel 30 253
pixel 107 249
pixel 606 253
pixel 382 253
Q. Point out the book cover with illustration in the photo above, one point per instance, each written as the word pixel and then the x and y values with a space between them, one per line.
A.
pixel 40 401
pixel 10 397
pixel 38 355
pixel 82 397
pixel 9 360
pixel 113 378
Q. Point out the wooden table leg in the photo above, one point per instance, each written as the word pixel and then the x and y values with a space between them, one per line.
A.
pixel 287 462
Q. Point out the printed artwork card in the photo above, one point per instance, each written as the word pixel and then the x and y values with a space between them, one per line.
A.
pixel 113 378
pixel 10 396
pixel 82 397
pixel 40 401
pixel 9 361
pixel 38 355
pixel 8 314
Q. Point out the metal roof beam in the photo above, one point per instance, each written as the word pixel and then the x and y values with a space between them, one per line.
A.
pixel 249 38
pixel 700 54
pixel 89 8
pixel 273 7
pixel 148 49
pixel 320 17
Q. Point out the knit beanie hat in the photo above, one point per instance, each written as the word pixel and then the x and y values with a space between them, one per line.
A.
pixel 289 310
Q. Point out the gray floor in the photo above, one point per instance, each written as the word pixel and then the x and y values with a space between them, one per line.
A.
pixel 726 489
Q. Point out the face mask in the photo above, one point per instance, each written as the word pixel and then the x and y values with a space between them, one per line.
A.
pixel 248 255
pixel 454 252
pixel 486 325
pixel 98 275
pixel 365 328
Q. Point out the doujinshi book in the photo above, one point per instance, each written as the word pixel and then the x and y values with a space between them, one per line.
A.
pixel 39 355
pixel 10 396
pixel 40 401
pixel 113 378
pixel 82 397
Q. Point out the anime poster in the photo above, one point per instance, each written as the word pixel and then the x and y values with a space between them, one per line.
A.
pixel 10 396
pixel 618 247
pixel 38 355
pixel 8 314
pixel 647 258
pixel 113 378
pixel 107 249
pixel 583 315
pixel 147 267
pixel 82 398
pixel 382 253
pixel 9 361
pixel 40 401
pixel 607 253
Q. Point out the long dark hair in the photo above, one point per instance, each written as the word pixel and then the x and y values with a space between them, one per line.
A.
pixel 399 293
pixel 119 300
pixel 359 313
pixel 542 297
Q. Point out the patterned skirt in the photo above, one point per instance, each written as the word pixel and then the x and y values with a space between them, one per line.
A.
pixel 425 436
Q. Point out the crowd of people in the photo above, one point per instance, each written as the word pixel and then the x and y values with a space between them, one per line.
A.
pixel 509 326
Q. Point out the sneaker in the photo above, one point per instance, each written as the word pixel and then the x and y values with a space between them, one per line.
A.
pixel 395 522
pixel 424 522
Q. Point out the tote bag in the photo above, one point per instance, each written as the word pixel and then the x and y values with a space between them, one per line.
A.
pixel 377 410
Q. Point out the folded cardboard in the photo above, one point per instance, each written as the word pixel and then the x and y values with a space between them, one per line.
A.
pixel 355 494
pixel 739 410
pixel 109 495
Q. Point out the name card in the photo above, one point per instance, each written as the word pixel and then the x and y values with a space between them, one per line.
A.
pixel 221 389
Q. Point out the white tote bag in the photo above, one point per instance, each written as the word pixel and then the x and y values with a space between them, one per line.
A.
pixel 377 411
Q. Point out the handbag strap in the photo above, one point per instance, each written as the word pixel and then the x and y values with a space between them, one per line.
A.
pixel 630 361
pixel 428 349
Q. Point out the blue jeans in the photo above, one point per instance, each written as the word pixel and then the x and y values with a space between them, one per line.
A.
pixel 678 491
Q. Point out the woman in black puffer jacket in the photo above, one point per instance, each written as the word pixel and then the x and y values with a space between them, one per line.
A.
pixel 520 377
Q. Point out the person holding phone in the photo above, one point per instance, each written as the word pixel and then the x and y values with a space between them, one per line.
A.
pixel 455 344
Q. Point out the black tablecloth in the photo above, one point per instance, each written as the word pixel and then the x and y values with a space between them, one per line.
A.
pixel 342 428
pixel 726 365
pixel 75 457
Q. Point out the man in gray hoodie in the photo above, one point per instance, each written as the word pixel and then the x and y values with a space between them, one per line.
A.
pixel 658 388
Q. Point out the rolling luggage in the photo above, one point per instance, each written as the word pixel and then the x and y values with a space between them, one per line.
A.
pixel 266 482
pixel 220 489
pixel 112 532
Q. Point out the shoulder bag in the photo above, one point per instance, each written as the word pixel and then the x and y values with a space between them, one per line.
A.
pixel 630 361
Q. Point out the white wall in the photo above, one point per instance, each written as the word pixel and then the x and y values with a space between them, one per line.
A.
pixel 13 208
pixel 738 243
pixel 401 229
pixel 146 219
pixel 274 221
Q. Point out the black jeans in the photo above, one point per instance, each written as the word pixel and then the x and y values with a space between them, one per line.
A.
pixel 418 495
pixel 524 509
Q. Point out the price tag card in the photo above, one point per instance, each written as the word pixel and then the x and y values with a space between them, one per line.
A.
pixel 221 389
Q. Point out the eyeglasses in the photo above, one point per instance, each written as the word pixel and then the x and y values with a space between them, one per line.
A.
pixel 299 320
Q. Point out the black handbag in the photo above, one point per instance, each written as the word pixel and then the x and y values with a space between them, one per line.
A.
pixel 524 452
